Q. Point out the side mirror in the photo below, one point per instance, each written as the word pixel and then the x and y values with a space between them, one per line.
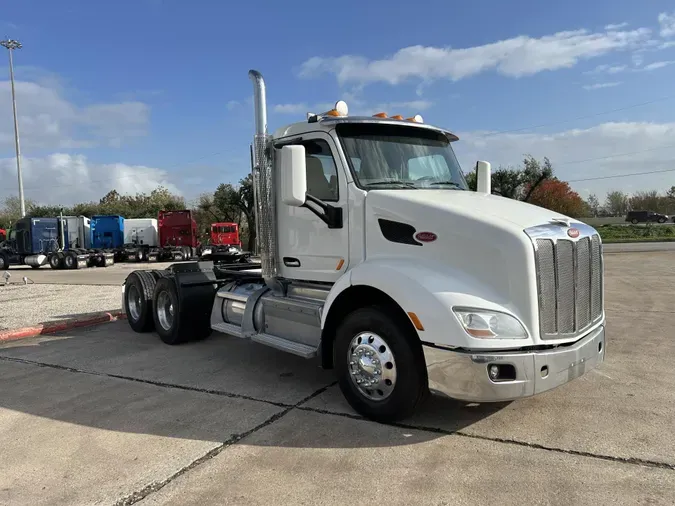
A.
pixel 483 177
pixel 293 175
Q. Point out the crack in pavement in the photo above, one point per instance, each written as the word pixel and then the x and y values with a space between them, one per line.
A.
pixel 155 486
pixel 638 310
pixel 624 460
pixel 176 386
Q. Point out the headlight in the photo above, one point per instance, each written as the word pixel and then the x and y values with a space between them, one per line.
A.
pixel 486 324
pixel 206 251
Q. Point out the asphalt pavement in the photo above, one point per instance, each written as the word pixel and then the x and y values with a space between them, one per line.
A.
pixel 108 416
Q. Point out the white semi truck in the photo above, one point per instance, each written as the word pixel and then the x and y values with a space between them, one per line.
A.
pixel 140 239
pixel 377 259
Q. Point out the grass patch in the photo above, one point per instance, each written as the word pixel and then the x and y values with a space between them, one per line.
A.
pixel 636 233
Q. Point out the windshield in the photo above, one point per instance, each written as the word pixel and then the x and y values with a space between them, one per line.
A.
pixel 391 156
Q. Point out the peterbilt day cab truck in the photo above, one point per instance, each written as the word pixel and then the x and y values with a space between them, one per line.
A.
pixel 379 261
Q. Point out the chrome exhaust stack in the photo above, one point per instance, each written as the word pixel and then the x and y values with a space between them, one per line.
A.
pixel 263 184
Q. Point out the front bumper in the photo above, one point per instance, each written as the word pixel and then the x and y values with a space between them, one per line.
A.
pixel 464 375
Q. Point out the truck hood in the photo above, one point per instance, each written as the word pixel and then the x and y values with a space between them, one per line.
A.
pixel 478 207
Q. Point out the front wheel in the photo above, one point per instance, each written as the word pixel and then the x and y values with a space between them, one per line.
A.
pixel 380 365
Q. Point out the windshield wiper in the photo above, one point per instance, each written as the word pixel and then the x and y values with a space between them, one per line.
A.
pixel 407 184
pixel 449 183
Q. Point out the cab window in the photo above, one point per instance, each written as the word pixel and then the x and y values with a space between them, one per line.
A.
pixel 322 181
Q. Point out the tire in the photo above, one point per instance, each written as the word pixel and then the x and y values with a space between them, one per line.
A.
pixel 4 263
pixel 402 386
pixel 138 289
pixel 662 220
pixel 175 319
pixel 166 312
pixel 56 261
pixel 70 260
pixel 634 221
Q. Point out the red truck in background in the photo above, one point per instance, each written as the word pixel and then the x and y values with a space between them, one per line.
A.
pixel 178 238
pixel 3 234
pixel 225 244
pixel 225 233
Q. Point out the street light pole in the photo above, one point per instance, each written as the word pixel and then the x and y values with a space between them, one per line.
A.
pixel 11 45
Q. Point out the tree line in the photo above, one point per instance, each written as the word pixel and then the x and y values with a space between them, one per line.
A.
pixel 532 181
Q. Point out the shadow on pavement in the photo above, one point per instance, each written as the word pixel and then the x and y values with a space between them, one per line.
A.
pixel 110 378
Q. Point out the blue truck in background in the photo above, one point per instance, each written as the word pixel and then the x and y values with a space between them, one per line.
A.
pixel 107 232
pixel 41 241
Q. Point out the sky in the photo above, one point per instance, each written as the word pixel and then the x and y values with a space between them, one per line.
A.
pixel 135 93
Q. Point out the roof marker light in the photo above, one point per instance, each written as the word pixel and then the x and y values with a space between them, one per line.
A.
pixel 380 115
pixel 416 118
pixel 398 116
pixel 340 109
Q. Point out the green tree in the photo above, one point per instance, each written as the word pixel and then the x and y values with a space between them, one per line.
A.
pixel 233 202
pixel 593 205
pixel 617 203
pixel 11 210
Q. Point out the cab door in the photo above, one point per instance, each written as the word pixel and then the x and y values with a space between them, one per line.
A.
pixel 308 248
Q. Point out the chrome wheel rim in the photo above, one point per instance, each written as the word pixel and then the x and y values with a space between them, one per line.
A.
pixel 134 301
pixel 372 368
pixel 165 310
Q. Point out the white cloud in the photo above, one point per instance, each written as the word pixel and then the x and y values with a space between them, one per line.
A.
pixel 598 86
pixel 68 179
pixel 515 57
pixel 406 109
pixel 666 45
pixel 232 104
pixel 607 149
pixel 656 65
pixel 607 69
pixel 291 108
pixel 47 120
pixel 616 26
pixel 667 24
pixel 638 59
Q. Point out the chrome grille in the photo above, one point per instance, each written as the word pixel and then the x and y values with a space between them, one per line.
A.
pixel 569 280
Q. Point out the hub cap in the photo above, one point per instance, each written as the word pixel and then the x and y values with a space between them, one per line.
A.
pixel 372 367
pixel 134 301
pixel 165 310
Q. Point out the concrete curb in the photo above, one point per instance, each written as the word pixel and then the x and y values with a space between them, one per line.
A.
pixel 51 327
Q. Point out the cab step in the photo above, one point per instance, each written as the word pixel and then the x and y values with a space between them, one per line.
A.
pixel 299 349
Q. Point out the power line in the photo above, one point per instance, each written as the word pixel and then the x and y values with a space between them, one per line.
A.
pixel 618 155
pixel 620 175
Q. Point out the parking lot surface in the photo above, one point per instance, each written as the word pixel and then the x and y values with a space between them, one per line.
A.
pixel 107 416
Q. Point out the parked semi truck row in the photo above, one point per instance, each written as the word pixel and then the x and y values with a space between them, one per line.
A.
pixel 60 242
pixel 378 260
pixel 172 236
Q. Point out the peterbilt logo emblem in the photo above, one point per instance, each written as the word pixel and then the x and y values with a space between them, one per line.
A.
pixel 573 233
pixel 426 236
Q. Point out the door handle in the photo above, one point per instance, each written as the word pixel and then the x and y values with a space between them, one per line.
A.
pixel 291 262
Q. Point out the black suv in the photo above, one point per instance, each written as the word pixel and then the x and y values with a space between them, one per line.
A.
pixel 645 217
